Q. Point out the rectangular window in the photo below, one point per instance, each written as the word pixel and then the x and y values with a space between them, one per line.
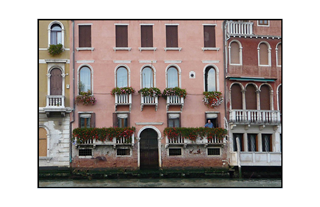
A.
pixel 121 36
pixel 263 22
pixel 266 143
pixel 85 152
pixel 174 120
pixel 213 151
pixel 213 117
pixel 252 142
pixel 123 152
pixel 209 36
pixel 174 151
pixel 240 136
pixel 121 120
pixel 84 35
pixel 146 36
pixel 171 36
pixel 86 120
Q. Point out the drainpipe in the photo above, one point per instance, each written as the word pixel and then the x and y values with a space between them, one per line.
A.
pixel 73 94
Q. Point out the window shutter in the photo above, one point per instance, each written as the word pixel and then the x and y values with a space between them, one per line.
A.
pixel 85 36
pixel 128 120
pixel 93 120
pixel 146 36
pixel 79 121
pixel 235 53
pixel 251 99
pixel 209 36
pixel 236 97
pixel 115 120
pixel 263 54
pixel 265 98
pixel 179 121
pixel 121 36
pixel 172 36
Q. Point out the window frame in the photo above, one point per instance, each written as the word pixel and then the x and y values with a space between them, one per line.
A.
pixel 172 43
pixel 178 72
pixel 121 47
pixel 240 52
pixel 263 149
pixel 175 148
pixel 92 118
pixel 174 123
pixel 220 153
pixel 153 76
pixel 115 119
pixel 116 76
pixel 62 32
pixel 263 24
pixel 124 148
pixel 91 77
pixel 214 36
pixel 268 54
pixel 207 69
pixel 278 53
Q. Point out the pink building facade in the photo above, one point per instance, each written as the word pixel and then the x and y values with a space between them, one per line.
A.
pixel 106 54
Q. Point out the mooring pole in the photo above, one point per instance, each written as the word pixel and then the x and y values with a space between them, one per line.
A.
pixel 238 156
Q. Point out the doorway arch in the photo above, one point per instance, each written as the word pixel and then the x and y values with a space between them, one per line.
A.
pixel 149 148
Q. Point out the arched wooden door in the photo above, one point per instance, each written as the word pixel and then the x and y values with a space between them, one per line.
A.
pixel 55 82
pixel 149 158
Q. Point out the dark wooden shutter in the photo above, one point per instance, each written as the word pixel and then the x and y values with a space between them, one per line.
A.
pixel 85 36
pixel 251 98
pixel 280 99
pixel 236 97
pixel 235 53
pixel 128 121
pixel 179 121
pixel 121 36
pixel 172 36
pixel 264 54
pixel 55 82
pixel 265 98
pixel 93 120
pixel 115 120
pixel 209 36
pixel 146 36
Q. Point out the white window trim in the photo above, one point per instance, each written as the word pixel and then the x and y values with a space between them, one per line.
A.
pixel 60 66
pixel 217 76
pixel 115 74
pixel 210 48
pixel 173 147
pixel 179 74
pixel 269 54
pixel 78 77
pixel 271 95
pixel 278 105
pixel 122 48
pixel 87 156
pixel 62 32
pixel 277 57
pixel 147 48
pixel 240 52
pixel 154 75
pixel 214 155
pixel 262 25
pixel 85 48
pixel 173 49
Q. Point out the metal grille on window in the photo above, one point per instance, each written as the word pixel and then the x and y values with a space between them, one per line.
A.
pixel 252 143
pixel 174 151
pixel 213 151
pixel 266 143
pixel 123 151
pixel 85 152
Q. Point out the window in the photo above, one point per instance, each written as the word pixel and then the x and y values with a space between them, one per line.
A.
pixel 174 120
pixel 121 35
pixel 84 35
pixel 172 77
pixel 213 117
pixel 236 96
pixel 122 77
pixel 147 77
pixel 55 82
pixel 171 36
pixel 252 142
pixel 86 120
pixel 209 36
pixel 279 51
pixel 85 152
pixel 213 151
pixel 121 120
pixel 266 143
pixel 56 34
pixel 42 142
pixel 263 22
pixel 251 97
pixel 210 79
pixel 264 54
pixel 146 36
pixel 235 51
pixel 240 136
pixel 265 98
pixel 122 152
pixel 85 79
pixel 174 151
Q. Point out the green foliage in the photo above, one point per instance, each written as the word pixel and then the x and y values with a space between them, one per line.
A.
pixel 86 98
pixel 55 49
pixel 123 90
pixel 174 92
pixel 212 98
pixel 150 92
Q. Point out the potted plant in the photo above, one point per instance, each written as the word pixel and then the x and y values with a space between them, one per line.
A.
pixel 150 92
pixel 55 49
pixel 86 98
pixel 123 90
pixel 174 92
pixel 212 98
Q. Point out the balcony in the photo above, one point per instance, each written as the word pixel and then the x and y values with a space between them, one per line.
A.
pixel 204 141
pixel 115 142
pixel 149 101
pixel 55 103
pixel 239 28
pixel 123 100
pixel 174 101
pixel 258 117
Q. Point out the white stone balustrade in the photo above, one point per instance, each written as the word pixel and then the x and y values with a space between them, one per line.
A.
pixel 55 101
pixel 255 116
pixel 239 28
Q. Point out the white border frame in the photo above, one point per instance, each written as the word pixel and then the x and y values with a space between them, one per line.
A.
pixel 179 74
pixel 78 77
pixel 240 52
pixel 62 32
pixel 115 74
pixel 217 76
pixel 269 54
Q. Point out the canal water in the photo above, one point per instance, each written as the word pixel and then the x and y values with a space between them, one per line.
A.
pixel 163 183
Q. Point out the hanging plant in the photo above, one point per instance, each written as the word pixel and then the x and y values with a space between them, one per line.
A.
pixel 86 98
pixel 212 98
pixel 123 90
pixel 150 92
pixel 55 49
pixel 174 92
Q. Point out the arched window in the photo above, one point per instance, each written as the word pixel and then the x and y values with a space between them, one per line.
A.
pixel 122 77
pixel 265 97
pixel 55 82
pixel 251 98
pixel 264 54
pixel 147 77
pixel 210 79
pixel 42 142
pixel 56 34
pixel 279 50
pixel 236 96
pixel 235 52
pixel 172 77
pixel 85 79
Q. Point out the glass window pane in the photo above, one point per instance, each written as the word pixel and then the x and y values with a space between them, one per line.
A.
pixel 170 123
pixel 147 78
pixel 55 27
pixel 176 123
pixel 211 80
pixel 122 77
pixel 59 38
pixel 172 78
pixel 85 79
